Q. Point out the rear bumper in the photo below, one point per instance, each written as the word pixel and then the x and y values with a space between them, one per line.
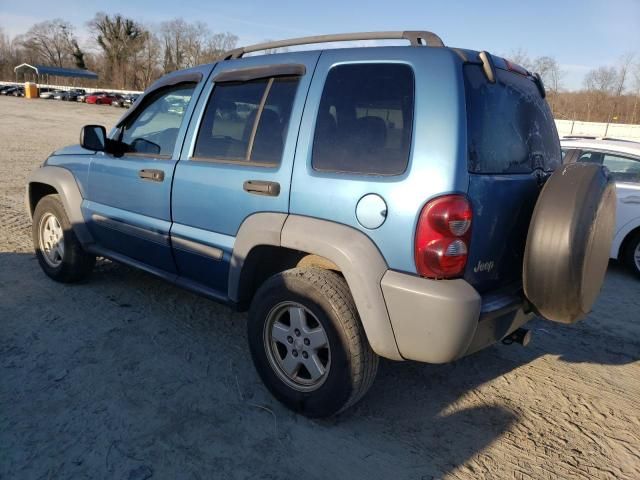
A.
pixel 437 321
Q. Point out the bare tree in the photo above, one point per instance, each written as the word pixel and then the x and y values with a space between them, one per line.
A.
pixel 626 62
pixel 78 55
pixel 219 43
pixel 550 71
pixel 51 42
pixel 173 38
pixel 601 79
pixel 147 61
pixel 520 57
pixel 6 55
pixel 190 44
pixel 119 38
pixel 636 91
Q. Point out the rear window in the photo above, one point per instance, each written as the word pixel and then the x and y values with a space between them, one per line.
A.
pixel 365 120
pixel 510 128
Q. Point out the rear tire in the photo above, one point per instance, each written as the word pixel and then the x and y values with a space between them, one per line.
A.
pixel 631 253
pixel 320 301
pixel 57 248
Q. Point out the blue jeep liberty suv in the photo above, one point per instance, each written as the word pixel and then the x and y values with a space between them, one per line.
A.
pixel 394 201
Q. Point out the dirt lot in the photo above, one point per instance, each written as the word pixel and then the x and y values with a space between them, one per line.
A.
pixel 126 376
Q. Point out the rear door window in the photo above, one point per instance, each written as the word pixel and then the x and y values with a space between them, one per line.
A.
pixel 247 121
pixel 510 128
pixel 365 120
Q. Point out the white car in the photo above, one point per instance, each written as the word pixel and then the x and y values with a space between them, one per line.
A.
pixel 49 94
pixel 622 158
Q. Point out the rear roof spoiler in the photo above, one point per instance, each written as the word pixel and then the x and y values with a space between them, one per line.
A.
pixel 489 65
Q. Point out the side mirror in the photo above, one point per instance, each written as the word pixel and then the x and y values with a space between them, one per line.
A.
pixel 93 137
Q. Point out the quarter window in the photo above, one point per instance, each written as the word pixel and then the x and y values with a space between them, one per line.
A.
pixel 247 122
pixel 365 120
pixel 154 130
pixel 622 169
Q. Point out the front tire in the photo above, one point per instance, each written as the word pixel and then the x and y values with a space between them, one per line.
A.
pixel 57 248
pixel 308 344
pixel 631 253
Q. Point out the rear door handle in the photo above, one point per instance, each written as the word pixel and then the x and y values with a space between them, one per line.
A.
pixel 151 174
pixel 260 187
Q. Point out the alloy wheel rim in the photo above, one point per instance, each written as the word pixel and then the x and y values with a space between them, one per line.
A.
pixel 51 240
pixel 636 256
pixel 297 346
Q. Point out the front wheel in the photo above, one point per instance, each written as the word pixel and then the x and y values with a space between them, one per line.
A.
pixel 58 250
pixel 631 253
pixel 308 344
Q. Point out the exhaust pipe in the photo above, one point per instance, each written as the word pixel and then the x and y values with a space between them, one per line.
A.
pixel 521 336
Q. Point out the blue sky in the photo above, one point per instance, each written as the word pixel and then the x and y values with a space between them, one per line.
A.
pixel 579 34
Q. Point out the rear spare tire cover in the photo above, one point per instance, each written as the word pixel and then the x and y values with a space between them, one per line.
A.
pixel 569 240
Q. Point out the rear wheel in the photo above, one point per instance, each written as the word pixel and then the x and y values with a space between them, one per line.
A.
pixel 308 344
pixel 57 248
pixel 631 253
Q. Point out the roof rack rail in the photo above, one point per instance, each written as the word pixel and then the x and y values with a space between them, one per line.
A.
pixel 416 38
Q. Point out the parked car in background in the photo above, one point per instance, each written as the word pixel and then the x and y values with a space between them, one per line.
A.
pixel 10 90
pixel 69 95
pixel 49 94
pixel 121 101
pixel 408 227
pixel 622 159
pixel 130 99
pixel 93 97
pixel 4 89
pixel 18 92
pixel 101 98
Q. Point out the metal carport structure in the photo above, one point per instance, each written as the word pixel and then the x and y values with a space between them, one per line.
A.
pixel 42 73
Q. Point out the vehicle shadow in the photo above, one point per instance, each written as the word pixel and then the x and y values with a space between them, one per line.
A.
pixel 608 335
pixel 126 372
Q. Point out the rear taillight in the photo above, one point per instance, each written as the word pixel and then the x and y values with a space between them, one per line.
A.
pixel 442 237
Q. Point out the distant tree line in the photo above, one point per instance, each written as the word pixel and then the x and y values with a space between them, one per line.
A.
pixel 608 94
pixel 126 54
pixel 123 52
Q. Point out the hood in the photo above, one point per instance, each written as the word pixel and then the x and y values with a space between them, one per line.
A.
pixel 72 150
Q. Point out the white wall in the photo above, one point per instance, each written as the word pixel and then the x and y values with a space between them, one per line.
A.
pixel 616 130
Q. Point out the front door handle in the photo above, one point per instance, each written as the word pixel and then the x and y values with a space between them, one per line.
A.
pixel 260 187
pixel 151 174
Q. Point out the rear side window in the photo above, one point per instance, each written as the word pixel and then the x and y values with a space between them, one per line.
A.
pixel 247 122
pixel 365 120
pixel 623 169
pixel 510 128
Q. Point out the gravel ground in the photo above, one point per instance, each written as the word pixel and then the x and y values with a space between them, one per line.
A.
pixel 128 377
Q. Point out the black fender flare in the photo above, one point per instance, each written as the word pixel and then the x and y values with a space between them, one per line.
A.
pixel 65 184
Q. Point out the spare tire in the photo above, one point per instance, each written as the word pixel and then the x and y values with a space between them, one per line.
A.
pixel 569 241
